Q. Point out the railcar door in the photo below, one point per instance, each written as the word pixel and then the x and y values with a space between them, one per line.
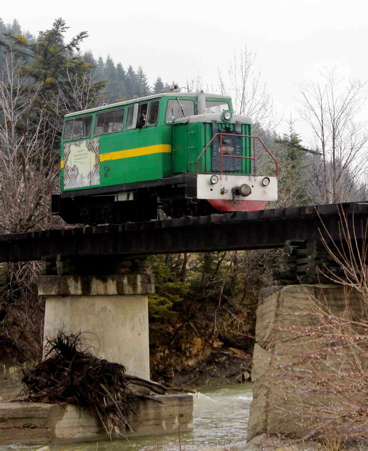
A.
pixel 180 147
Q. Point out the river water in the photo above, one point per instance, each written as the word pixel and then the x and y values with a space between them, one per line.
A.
pixel 220 421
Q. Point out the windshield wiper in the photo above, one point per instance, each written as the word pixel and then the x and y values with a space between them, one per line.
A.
pixel 181 107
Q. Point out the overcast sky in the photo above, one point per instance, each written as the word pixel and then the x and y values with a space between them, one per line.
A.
pixel 292 39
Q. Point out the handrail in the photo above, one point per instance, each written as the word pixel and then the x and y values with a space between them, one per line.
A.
pixel 255 139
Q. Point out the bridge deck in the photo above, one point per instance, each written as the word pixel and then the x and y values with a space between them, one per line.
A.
pixel 230 231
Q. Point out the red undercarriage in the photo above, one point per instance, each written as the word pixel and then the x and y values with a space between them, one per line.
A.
pixel 240 205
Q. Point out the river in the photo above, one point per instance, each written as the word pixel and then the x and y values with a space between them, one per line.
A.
pixel 220 421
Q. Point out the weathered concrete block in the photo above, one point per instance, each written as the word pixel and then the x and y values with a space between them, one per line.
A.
pixel 109 285
pixel 41 424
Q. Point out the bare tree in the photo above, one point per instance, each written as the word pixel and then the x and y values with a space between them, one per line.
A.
pixel 331 108
pixel 27 163
pixel 79 91
pixel 33 100
pixel 247 89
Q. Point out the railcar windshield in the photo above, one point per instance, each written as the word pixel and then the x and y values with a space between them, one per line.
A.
pixel 216 106
pixel 178 108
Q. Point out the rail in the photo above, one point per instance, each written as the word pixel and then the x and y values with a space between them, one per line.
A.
pixel 219 232
pixel 254 157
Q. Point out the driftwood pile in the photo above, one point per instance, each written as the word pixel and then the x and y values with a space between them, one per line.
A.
pixel 71 374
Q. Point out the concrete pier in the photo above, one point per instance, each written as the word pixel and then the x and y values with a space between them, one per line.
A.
pixel 110 310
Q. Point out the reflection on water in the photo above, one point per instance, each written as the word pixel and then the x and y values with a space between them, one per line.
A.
pixel 220 420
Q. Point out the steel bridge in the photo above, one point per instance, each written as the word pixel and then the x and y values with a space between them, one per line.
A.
pixel 231 231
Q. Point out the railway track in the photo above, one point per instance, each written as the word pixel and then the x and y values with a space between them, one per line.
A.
pixel 263 229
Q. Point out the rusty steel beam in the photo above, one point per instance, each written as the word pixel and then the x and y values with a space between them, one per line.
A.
pixel 231 231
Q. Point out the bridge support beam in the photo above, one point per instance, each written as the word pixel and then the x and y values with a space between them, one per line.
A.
pixel 308 354
pixel 110 310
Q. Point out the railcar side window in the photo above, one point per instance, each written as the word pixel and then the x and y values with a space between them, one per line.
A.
pixel 148 113
pixel 130 118
pixel 178 108
pixel 78 128
pixel 153 112
pixel 109 122
pixel 68 130
pixel 142 115
pixel 216 106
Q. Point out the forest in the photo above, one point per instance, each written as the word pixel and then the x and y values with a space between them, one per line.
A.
pixel 203 313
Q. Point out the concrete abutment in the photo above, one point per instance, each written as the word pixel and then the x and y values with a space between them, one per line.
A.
pixel 305 360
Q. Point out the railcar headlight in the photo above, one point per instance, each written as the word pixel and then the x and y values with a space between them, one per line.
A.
pixel 226 115
pixel 214 179
pixel 245 190
pixel 266 181
pixel 242 190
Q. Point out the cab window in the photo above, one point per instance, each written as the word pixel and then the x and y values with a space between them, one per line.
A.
pixel 130 119
pixel 178 108
pixel 142 115
pixel 109 122
pixel 148 113
pixel 216 106
pixel 77 128
pixel 152 117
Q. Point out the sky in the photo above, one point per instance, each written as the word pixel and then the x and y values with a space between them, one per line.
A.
pixel 292 40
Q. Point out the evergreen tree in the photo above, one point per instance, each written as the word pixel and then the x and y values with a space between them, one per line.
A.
pixel 15 28
pixel 89 58
pixel 60 78
pixel 110 69
pixel 110 74
pixel 121 84
pixel 131 85
pixel 143 88
pixel 120 73
pixel 100 69
pixel 158 86
pixel 3 29
pixel 293 161
pixel 121 79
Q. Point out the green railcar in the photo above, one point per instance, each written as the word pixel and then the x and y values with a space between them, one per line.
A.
pixel 168 154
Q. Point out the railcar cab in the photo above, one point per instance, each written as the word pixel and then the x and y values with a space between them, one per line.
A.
pixel 173 153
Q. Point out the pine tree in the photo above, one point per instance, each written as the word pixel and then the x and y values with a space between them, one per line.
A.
pixel 158 86
pixel 120 73
pixel 100 69
pixel 61 78
pixel 121 79
pixel 143 88
pixel 293 159
pixel 110 74
pixel 15 28
pixel 131 83
pixel 89 58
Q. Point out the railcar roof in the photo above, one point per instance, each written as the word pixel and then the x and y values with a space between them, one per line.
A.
pixel 140 99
